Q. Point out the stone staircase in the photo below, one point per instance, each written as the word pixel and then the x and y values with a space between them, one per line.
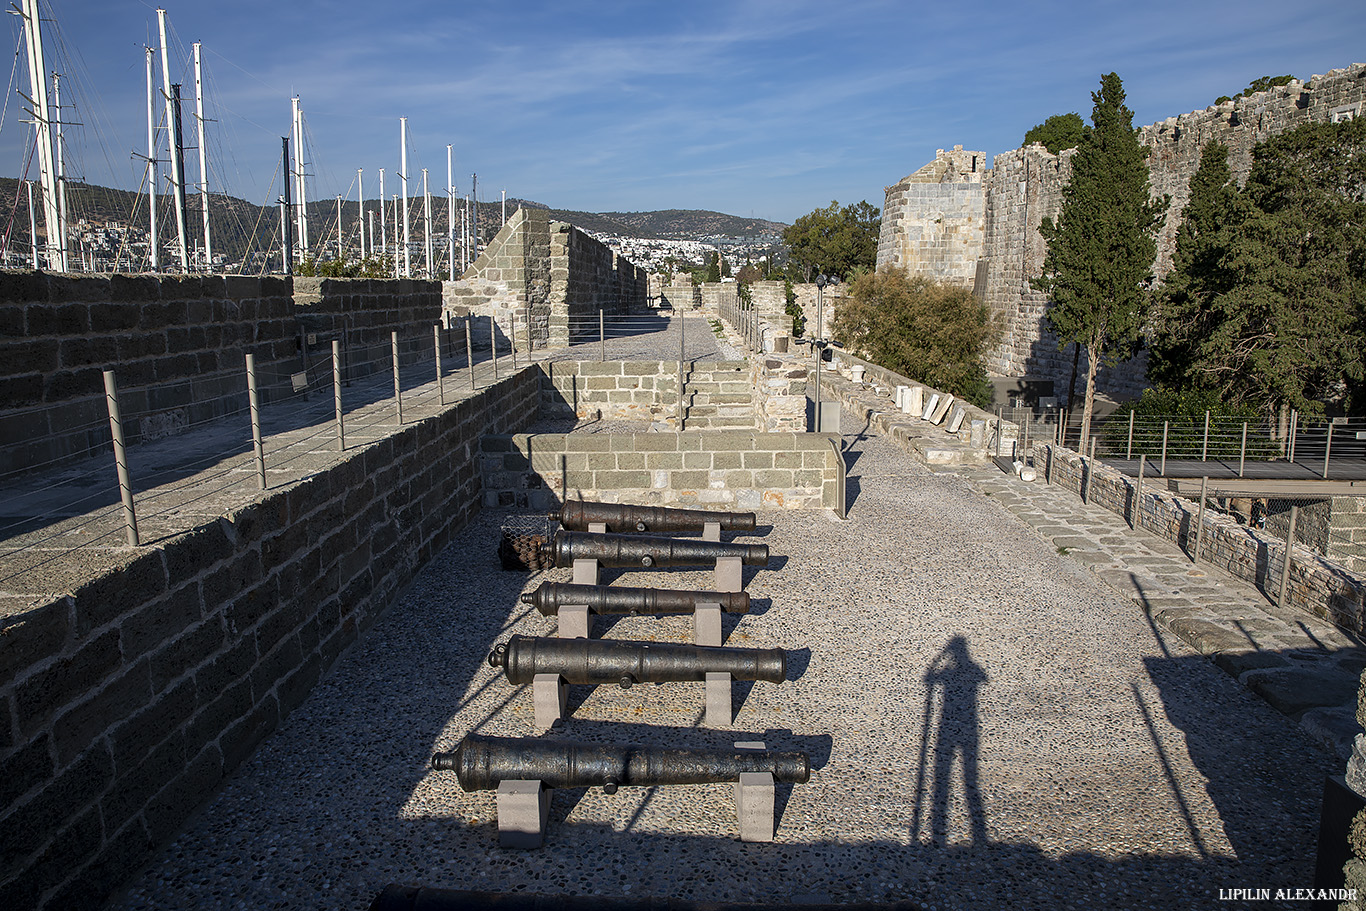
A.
pixel 718 395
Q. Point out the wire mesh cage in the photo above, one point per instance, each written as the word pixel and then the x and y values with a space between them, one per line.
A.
pixel 519 544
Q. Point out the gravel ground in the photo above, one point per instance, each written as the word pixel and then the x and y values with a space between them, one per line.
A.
pixel 990 727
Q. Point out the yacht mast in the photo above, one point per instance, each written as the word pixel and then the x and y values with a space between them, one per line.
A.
pixel 203 156
pixel 177 166
pixel 33 39
pixel 403 177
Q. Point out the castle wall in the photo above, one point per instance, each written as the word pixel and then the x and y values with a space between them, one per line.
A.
pixel 1025 185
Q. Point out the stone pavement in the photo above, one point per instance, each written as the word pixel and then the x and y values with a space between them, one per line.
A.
pixel 1304 666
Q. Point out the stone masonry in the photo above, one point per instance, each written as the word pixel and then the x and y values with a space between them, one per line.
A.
pixel 125 701
pixel 1025 185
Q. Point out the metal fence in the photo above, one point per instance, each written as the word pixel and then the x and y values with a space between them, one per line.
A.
pixel 128 495
pixel 1306 446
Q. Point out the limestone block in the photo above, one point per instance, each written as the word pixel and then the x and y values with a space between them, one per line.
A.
pixel 550 696
pixel 956 420
pixel 930 406
pixel 718 708
pixel 523 810
pixel 941 409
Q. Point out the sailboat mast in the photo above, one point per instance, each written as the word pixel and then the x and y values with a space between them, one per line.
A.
pixel 177 169
pixel 203 156
pixel 302 212
pixel 403 178
pixel 427 223
pixel 286 236
pixel 360 208
pixel 33 38
pixel 383 218
pixel 154 249
pixel 61 174
pixel 450 211
pixel 32 224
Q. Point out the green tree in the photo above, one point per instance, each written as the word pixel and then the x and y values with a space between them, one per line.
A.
pixel 1059 132
pixel 834 240
pixel 1275 283
pixel 1184 317
pixel 1260 84
pixel 934 333
pixel 1101 248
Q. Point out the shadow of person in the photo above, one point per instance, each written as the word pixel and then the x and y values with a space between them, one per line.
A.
pixel 951 682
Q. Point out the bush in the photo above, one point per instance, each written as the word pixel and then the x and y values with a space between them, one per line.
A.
pixel 1183 411
pixel 930 332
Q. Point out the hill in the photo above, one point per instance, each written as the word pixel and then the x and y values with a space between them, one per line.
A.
pixel 240 228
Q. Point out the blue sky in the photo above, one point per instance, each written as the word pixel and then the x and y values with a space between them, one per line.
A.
pixel 762 107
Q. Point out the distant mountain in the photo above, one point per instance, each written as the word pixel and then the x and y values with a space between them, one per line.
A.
pixel 241 228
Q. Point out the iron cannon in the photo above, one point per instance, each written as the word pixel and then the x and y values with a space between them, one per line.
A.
pixel 600 661
pixel 621 599
pixel 481 763
pixel 576 515
pixel 641 550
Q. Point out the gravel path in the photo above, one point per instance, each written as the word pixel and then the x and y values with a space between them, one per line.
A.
pixel 991 726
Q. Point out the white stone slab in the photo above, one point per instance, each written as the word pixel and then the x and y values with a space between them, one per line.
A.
pixel 711 531
pixel 706 623
pixel 956 419
pixel 730 574
pixel 930 405
pixel 523 810
pixel 755 800
pixel 585 572
pixel 941 410
pixel 575 622
pixel 550 696
pixel 718 714
pixel 914 402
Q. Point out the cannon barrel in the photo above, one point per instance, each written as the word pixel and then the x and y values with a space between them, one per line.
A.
pixel 576 515
pixel 643 550
pixel 621 599
pixel 482 763
pixel 600 661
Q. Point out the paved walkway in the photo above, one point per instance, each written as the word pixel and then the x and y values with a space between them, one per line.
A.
pixel 991 725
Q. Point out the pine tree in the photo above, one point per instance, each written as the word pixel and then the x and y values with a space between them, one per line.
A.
pixel 1102 247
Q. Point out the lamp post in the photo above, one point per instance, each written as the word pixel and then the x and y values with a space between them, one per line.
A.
pixel 818 343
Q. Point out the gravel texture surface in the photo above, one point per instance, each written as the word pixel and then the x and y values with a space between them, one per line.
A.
pixel 991 726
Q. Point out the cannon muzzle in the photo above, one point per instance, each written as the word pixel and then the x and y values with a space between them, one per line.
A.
pixel 621 599
pixel 576 515
pixel 481 763
pixel 647 551
pixel 601 661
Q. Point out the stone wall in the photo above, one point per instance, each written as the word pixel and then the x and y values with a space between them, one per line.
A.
pixel 361 314
pixel 1317 585
pixel 1025 185
pixel 510 280
pixel 176 344
pixel 587 277
pixel 126 701
pixel 769 298
pixel 681 293
pixel 725 469
pixel 617 390
pixel 717 296
pixel 935 218
pixel 780 404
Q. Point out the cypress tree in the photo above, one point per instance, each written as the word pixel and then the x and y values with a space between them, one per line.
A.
pixel 1101 248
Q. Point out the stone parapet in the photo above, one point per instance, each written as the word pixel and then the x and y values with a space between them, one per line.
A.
pixel 728 469
pixel 126 701
pixel 1317 585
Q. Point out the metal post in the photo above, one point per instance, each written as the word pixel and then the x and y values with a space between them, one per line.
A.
pixel 1138 491
pixel 1089 466
pixel 1289 546
pixel 1328 448
pixel 1204 447
pixel 1242 451
pixel 111 398
pixel 1163 470
pixel 336 394
pixel 512 340
pixel 255 405
pixel 493 346
pixel 1294 427
pixel 602 336
pixel 1200 519
pixel 680 368
pixel 528 336
pixel 398 388
pixel 440 381
pixel 1028 415
pixel 1129 447
pixel 469 350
